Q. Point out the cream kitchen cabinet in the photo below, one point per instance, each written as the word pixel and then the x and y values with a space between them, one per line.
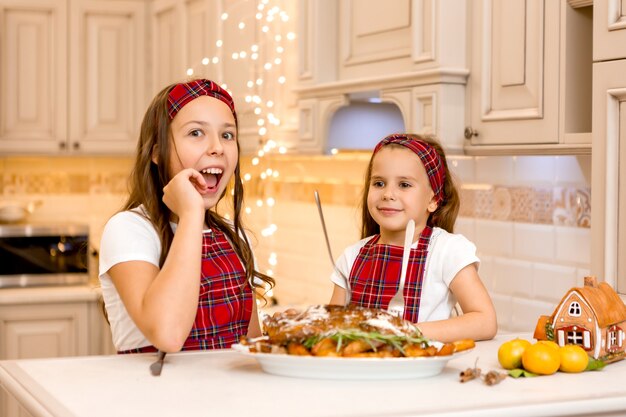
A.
pixel 410 53
pixel 609 30
pixel 531 77
pixel 175 45
pixel 184 33
pixel 608 223
pixel 425 107
pixel 365 39
pixel 73 75
pixel 50 322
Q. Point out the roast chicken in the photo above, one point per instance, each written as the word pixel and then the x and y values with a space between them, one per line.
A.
pixel 351 331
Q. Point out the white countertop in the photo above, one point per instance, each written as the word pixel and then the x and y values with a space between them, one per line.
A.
pixel 49 294
pixel 229 383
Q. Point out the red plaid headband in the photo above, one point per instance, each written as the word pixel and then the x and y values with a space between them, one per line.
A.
pixel 427 154
pixel 183 93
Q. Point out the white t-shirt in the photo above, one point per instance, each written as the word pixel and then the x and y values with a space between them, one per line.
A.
pixel 127 236
pixel 448 253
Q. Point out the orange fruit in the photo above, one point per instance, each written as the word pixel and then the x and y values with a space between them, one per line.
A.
pixel 541 358
pixel 510 353
pixel 573 358
pixel 550 343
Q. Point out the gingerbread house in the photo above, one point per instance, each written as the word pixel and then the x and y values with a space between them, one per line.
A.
pixel 592 316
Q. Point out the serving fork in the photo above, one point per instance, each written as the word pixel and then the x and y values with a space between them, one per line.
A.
pixel 396 305
pixel 330 252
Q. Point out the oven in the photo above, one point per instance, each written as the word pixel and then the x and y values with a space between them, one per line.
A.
pixel 40 255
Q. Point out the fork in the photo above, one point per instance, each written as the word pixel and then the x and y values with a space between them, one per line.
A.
pixel 396 305
pixel 156 366
pixel 330 253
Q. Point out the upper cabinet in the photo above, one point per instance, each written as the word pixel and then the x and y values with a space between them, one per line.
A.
pixel 409 53
pixel 531 77
pixel 244 46
pixel 609 30
pixel 374 37
pixel 72 75
pixel 370 39
pixel 608 176
pixel 108 74
pixel 484 76
pixel 33 75
pixel 608 231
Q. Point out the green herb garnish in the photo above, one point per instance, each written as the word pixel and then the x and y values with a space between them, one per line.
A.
pixel 345 335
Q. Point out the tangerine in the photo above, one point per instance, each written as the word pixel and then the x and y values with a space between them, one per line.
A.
pixel 550 343
pixel 541 358
pixel 510 353
pixel 573 358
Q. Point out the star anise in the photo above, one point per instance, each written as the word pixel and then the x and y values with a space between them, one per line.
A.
pixel 470 373
pixel 493 377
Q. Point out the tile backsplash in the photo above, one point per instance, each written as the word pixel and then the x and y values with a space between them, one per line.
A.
pixel 529 217
pixel 71 190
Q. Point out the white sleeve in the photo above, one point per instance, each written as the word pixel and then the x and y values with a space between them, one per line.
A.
pixel 457 253
pixel 128 236
pixel 344 266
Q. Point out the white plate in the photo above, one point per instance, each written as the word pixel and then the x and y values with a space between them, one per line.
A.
pixel 348 368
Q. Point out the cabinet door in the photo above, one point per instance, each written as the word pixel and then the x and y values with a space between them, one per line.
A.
pixel 167 38
pixel 107 68
pixel 515 72
pixel 33 75
pixel 375 37
pixel 609 30
pixel 30 331
pixel 317 49
pixel 608 230
pixel 40 331
pixel 183 34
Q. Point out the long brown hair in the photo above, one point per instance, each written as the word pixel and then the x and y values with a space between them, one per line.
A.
pixel 447 210
pixel 148 179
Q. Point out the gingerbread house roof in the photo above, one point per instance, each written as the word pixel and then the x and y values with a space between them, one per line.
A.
pixel 604 301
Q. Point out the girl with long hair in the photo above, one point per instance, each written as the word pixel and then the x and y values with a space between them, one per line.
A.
pixel 174 273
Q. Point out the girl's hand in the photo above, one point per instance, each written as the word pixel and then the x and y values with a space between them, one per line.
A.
pixel 183 194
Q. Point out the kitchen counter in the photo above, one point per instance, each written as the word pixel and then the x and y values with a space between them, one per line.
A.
pixel 49 294
pixel 229 383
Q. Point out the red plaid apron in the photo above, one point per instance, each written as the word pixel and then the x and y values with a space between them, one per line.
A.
pixel 375 275
pixel 225 301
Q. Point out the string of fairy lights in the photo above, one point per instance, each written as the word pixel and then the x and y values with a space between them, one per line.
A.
pixel 266 59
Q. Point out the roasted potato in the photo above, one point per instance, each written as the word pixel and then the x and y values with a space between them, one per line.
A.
pixel 463 344
pixel 325 347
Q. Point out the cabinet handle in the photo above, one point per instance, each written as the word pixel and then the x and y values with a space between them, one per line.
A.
pixel 62 145
pixel 76 146
pixel 469 133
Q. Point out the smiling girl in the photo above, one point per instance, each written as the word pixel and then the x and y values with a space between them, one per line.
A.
pixel 408 178
pixel 174 273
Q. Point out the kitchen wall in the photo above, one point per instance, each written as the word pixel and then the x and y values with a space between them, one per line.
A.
pixel 529 217
pixel 83 190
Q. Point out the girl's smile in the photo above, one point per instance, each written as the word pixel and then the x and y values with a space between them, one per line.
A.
pixel 388 211
pixel 212 177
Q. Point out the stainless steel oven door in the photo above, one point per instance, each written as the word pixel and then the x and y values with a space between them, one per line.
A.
pixel 43 255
